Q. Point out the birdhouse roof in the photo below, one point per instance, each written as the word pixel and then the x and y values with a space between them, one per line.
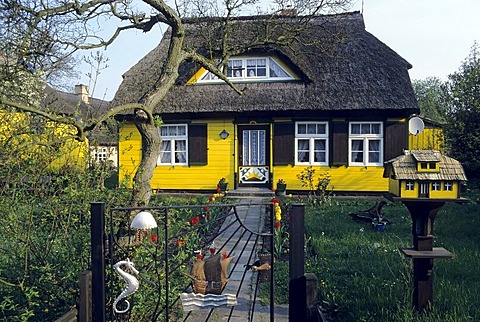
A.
pixel 404 167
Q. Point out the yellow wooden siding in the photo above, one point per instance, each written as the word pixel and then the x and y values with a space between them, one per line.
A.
pixel 368 179
pixel 428 139
pixel 129 151
pixel 204 177
pixel 394 187
pixel 442 193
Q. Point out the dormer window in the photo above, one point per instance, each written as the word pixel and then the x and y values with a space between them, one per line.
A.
pixel 251 69
pixel 432 165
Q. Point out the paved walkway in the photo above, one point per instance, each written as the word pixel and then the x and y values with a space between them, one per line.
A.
pixel 242 282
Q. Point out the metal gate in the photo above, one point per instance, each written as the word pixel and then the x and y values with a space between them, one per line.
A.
pixel 163 257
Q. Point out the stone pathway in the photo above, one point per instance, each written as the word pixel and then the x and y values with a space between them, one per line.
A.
pixel 242 282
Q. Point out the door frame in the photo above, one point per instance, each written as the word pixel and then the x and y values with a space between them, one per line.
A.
pixel 240 129
pixel 426 186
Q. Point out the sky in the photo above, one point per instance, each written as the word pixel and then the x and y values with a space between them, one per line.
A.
pixel 435 36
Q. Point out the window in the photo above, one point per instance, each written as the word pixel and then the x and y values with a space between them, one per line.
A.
pixel 436 186
pixel 311 142
pixel 174 144
pixel 410 185
pixel 423 165
pixel 432 165
pixel 101 154
pixel 448 186
pixel 247 69
pixel 365 143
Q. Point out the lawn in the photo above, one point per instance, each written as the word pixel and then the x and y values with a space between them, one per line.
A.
pixel 363 277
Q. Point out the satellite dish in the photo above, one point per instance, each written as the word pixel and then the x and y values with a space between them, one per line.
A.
pixel 415 125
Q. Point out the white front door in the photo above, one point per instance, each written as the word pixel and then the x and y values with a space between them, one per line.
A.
pixel 254 155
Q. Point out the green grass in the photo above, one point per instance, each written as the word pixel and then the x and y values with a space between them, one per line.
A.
pixel 363 277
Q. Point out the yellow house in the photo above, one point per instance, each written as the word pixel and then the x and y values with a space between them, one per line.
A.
pixel 424 174
pixel 342 109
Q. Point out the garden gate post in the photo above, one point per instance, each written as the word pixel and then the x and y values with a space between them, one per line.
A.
pixel 297 292
pixel 97 231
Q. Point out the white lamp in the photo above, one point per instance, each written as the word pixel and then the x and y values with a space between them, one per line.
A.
pixel 143 220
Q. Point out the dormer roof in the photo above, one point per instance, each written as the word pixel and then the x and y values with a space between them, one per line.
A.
pixel 426 155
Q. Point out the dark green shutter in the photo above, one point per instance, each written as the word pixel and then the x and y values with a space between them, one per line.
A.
pixel 339 155
pixel 395 140
pixel 283 143
pixel 197 144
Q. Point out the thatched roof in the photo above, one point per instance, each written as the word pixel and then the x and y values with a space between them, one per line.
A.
pixel 404 167
pixel 341 65
pixel 72 104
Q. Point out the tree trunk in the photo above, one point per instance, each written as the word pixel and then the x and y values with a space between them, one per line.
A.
pixel 151 143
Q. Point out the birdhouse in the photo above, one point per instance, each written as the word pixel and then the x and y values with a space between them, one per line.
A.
pixel 424 174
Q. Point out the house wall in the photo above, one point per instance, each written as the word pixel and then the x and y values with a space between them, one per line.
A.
pixel 440 194
pixel 394 187
pixel 184 177
pixel 408 193
pixel 342 178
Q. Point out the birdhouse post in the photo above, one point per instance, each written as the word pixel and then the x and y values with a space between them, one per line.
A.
pixel 424 180
pixel 423 213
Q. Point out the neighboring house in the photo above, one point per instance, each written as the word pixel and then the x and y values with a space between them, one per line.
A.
pixel 424 174
pixel 102 142
pixel 342 109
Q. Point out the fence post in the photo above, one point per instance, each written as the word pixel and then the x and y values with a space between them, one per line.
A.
pixel 97 231
pixel 297 292
pixel 85 305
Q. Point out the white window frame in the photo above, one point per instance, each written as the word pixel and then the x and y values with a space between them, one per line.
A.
pixel 410 185
pixel 448 186
pixel 366 138
pixel 436 186
pixel 172 139
pixel 101 154
pixel 311 137
pixel 244 75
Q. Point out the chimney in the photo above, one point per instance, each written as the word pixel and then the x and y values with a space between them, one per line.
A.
pixel 82 91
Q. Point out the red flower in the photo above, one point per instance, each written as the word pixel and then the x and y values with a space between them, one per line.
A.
pixel 277 224
pixel 218 189
pixel 272 188
pixel 208 214
pixel 194 220
pixel 199 256
pixel 180 242
pixel 210 199
pixel 154 238
pixel 274 200
pixel 299 197
pixel 205 208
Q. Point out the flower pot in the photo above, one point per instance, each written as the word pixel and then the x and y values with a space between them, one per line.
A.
pixel 281 189
pixel 379 226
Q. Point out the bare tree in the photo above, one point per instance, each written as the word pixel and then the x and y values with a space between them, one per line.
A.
pixel 45 34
